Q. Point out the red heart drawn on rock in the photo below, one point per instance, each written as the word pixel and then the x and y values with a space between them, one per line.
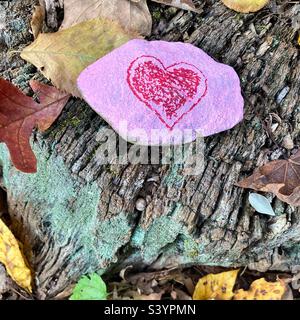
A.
pixel 171 92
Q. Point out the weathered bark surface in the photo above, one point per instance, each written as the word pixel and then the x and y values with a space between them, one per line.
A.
pixel 78 216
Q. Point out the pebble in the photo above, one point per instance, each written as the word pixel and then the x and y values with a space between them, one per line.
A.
pixel 161 93
pixel 288 142
pixel 282 94
pixel 140 204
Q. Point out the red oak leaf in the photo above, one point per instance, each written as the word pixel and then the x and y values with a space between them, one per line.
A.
pixel 20 114
pixel 281 177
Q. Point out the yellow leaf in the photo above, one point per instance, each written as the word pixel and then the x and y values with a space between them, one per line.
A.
pixel 216 286
pixel 61 56
pixel 299 39
pixel 245 6
pixel 262 290
pixel 11 257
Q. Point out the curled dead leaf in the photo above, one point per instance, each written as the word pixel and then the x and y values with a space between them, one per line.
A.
pixel 281 177
pixel 245 6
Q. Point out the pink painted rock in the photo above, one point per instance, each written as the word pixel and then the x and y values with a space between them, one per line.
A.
pixel 157 92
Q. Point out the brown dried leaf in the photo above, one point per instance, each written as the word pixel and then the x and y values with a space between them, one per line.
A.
pixel 181 4
pixel 132 16
pixel 281 177
pixel 37 20
pixel 19 114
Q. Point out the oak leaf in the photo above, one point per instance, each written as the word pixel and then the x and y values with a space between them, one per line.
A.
pixel 245 6
pixel 281 177
pixel 20 114
pixel 12 258
pixel 181 4
pixel 133 16
pixel 216 286
pixel 262 290
pixel 61 56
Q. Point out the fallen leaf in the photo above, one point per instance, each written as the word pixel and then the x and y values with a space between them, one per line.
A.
pixel 262 290
pixel 12 258
pixel 90 287
pixel 61 56
pixel 281 177
pixel 181 4
pixel 37 20
pixel 261 204
pixel 20 114
pixel 299 40
pixel 245 6
pixel 132 16
pixel 216 286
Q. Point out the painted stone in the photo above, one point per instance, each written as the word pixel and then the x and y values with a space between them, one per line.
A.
pixel 157 92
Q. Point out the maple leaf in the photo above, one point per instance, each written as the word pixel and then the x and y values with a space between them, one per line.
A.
pixel 61 56
pixel 20 114
pixel 181 4
pixel 245 6
pixel 281 177
pixel 12 258
pixel 132 15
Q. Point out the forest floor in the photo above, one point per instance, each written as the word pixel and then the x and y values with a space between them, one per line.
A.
pixel 166 284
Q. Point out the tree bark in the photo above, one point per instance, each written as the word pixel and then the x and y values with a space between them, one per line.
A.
pixel 76 216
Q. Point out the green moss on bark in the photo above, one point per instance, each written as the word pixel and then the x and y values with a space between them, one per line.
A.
pixel 70 211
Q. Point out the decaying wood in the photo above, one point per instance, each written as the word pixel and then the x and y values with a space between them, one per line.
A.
pixel 77 216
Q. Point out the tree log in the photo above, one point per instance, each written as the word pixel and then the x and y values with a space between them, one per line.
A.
pixel 76 216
